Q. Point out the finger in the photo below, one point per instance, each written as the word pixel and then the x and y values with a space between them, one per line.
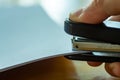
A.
pixel 74 15
pixel 94 64
pixel 113 68
pixel 93 14
pixel 112 7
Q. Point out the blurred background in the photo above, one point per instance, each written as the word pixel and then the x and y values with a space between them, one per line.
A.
pixel 58 10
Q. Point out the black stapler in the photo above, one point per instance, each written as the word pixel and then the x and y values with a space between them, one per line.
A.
pixel 100 41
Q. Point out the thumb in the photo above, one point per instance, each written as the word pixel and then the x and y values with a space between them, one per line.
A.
pixel 92 14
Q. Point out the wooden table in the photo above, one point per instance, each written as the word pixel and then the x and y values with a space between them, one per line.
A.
pixel 57 69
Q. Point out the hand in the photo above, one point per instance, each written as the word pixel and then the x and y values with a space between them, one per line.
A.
pixel 97 12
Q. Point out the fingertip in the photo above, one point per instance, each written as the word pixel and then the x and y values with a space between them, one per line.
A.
pixel 90 14
pixel 113 69
pixel 76 13
pixel 94 64
pixel 74 16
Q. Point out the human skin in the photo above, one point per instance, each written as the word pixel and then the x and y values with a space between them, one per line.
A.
pixel 97 12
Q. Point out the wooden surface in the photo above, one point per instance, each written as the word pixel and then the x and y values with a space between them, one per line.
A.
pixel 57 69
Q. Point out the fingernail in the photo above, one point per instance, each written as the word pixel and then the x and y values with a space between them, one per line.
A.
pixel 76 13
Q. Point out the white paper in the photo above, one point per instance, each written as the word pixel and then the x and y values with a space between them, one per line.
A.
pixel 28 35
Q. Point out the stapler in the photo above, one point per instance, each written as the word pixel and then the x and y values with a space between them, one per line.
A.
pixel 100 41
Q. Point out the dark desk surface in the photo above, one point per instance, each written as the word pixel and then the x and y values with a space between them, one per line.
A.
pixel 56 69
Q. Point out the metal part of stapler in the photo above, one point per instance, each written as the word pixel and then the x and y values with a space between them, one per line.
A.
pixel 101 40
